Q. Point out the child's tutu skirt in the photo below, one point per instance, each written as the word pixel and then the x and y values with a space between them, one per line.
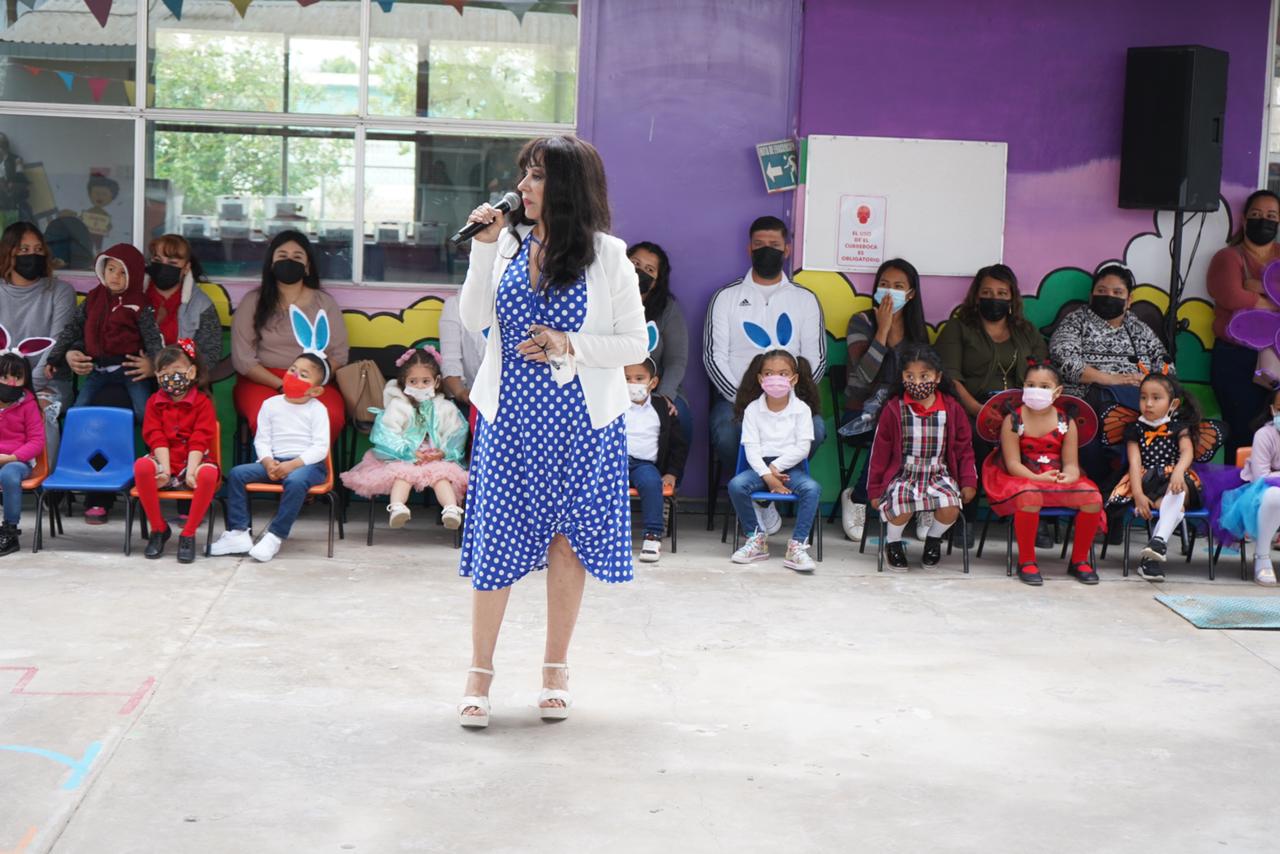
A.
pixel 1232 502
pixel 372 476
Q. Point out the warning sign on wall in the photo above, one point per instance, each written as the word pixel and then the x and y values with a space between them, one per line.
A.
pixel 860 239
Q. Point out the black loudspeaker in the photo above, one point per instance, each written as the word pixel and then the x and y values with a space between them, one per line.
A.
pixel 1174 101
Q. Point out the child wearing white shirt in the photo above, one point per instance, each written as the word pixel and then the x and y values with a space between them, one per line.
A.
pixel 656 451
pixel 777 431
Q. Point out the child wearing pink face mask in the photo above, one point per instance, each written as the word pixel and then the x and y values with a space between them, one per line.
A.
pixel 776 403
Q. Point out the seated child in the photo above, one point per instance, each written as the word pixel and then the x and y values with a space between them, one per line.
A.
pixel 656 448
pixel 419 439
pixel 21 438
pixel 179 428
pixel 777 434
pixel 113 324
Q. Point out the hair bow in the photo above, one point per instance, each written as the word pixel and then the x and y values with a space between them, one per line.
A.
pixel 1145 371
pixel 188 346
pixel 426 348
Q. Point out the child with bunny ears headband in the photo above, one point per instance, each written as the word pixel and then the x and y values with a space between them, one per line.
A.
pixel 22 436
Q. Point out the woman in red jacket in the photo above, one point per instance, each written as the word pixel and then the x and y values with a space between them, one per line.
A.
pixel 922 456
pixel 179 428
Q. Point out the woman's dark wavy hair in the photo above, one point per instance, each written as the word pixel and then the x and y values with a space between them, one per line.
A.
pixel 660 293
pixel 910 352
pixel 269 294
pixel 575 205
pixel 805 388
pixel 13 365
pixel 968 310
pixel 1188 411
pixel 913 323
pixel 11 239
pixel 1238 237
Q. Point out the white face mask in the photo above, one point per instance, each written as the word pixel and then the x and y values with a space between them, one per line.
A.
pixel 420 393
pixel 1037 398
pixel 639 392
pixel 1163 420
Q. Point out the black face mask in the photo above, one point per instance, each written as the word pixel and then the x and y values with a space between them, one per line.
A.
pixel 1108 308
pixel 287 271
pixel 646 281
pixel 10 393
pixel 31 266
pixel 1260 231
pixel 994 309
pixel 164 275
pixel 767 261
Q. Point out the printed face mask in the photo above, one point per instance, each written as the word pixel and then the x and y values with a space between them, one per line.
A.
pixel 288 271
pixel 899 298
pixel 776 386
pixel 1108 308
pixel 295 386
pixel 1037 398
pixel 920 391
pixel 994 309
pixel 174 383
pixel 767 261
pixel 422 392
pixel 638 392
pixel 1260 231
pixel 9 393
pixel 31 266
pixel 164 275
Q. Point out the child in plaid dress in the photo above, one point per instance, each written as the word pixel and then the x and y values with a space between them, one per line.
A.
pixel 922 457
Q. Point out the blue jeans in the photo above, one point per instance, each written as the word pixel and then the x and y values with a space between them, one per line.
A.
pixel 647 480
pixel 726 433
pixel 11 477
pixel 684 415
pixel 91 385
pixel 295 484
pixel 805 488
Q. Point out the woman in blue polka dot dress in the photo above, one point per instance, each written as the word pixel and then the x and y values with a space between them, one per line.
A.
pixel 561 306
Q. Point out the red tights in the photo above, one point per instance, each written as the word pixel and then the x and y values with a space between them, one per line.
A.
pixel 1025 523
pixel 144 478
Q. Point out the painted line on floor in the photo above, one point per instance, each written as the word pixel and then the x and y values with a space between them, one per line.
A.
pixel 23 842
pixel 29 673
pixel 79 767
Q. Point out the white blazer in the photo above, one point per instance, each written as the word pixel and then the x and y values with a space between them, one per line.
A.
pixel 612 335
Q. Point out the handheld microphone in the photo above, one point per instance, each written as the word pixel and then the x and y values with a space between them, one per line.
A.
pixel 510 202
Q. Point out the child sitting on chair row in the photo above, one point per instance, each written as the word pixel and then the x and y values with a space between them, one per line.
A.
pixel 419 439
pixel 656 450
pixel 21 430
pixel 292 444
pixel 777 435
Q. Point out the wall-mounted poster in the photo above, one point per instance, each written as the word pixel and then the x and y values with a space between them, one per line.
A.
pixel 860 239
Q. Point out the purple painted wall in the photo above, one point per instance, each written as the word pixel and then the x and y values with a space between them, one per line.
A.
pixel 676 95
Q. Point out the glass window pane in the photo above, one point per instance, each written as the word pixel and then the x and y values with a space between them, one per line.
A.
pixel 81 195
pixel 228 189
pixel 56 52
pixel 487 63
pixel 418 190
pixel 278 54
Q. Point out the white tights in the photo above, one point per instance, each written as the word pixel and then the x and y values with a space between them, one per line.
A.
pixel 1268 524
pixel 1170 514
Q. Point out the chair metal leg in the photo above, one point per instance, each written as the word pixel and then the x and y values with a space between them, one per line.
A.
pixel 982 538
pixel 208 540
pixel 1208 533
pixel 368 539
pixel 964 530
pixel 333 515
pixel 1008 551
pixel 128 524
pixel 1128 520
pixel 879 549
pixel 817 526
pixel 713 489
pixel 673 524
pixel 866 523
pixel 37 541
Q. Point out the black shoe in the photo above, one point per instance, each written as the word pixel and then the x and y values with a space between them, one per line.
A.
pixel 155 543
pixel 1083 573
pixel 1045 535
pixel 1034 578
pixel 186 549
pixel 895 554
pixel 932 551
pixel 1149 569
pixel 8 539
pixel 1157 549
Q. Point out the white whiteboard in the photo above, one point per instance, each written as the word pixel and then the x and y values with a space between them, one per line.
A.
pixel 944 200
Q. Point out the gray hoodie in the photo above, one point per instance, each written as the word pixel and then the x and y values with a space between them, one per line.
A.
pixel 42 309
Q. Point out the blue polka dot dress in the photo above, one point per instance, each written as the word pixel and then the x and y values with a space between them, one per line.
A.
pixel 539 469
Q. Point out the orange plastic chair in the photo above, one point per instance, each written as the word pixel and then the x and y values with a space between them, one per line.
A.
pixel 669 497
pixel 182 495
pixel 1242 456
pixel 325 489
pixel 34 482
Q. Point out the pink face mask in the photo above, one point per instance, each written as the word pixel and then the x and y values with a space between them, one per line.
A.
pixel 776 386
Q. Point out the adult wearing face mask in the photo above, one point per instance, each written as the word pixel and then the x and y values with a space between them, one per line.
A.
pixel 671 353
pixel 182 309
pixel 760 297
pixel 263 345
pixel 1235 283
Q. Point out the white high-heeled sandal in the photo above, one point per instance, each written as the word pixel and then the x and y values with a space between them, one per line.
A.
pixel 481 720
pixel 554 713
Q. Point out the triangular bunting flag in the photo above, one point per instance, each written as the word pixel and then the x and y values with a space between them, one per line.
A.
pixel 96 87
pixel 32 70
pixel 242 6
pixel 573 9
pixel 101 9
pixel 174 6
pixel 67 78
pixel 129 91
pixel 307 2
pixel 457 4
pixel 517 7
pixel 31 4
pixel 386 5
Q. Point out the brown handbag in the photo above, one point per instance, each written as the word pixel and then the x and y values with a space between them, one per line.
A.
pixel 361 384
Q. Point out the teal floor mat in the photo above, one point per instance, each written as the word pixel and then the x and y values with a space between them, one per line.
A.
pixel 1226 612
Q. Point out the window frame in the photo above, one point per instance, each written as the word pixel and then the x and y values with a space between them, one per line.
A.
pixel 358 123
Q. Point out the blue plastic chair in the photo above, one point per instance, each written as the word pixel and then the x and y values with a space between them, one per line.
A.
pixel 775 496
pixel 92 432
pixel 1188 536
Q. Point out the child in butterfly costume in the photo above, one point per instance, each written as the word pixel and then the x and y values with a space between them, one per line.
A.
pixel 1162 441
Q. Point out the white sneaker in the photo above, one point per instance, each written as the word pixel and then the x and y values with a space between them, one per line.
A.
pixel 798 557
pixel 852 516
pixel 755 548
pixel 232 543
pixel 924 521
pixel 452 516
pixel 399 515
pixel 266 548
pixel 769 518
pixel 1264 573
pixel 651 550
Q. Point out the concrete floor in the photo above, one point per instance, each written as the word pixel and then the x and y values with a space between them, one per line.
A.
pixel 307 705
